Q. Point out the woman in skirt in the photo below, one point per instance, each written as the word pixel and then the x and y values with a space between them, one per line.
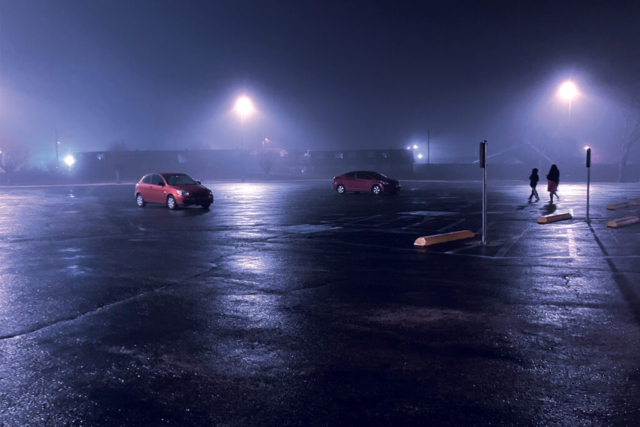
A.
pixel 553 178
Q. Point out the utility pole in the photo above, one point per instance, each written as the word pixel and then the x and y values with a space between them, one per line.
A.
pixel 57 143
pixel 428 146
pixel 483 165
pixel 588 180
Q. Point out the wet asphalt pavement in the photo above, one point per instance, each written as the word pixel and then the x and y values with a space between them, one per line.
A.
pixel 287 304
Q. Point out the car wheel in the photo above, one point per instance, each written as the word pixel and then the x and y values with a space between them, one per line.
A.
pixel 340 189
pixel 376 189
pixel 206 206
pixel 140 201
pixel 171 203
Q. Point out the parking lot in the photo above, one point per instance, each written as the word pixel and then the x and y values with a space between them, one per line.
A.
pixel 288 304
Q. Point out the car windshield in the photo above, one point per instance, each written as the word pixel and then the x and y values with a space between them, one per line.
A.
pixel 376 175
pixel 179 179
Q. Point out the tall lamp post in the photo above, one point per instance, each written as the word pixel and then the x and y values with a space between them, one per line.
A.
pixel 243 107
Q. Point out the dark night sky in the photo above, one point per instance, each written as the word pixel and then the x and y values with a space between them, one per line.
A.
pixel 323 74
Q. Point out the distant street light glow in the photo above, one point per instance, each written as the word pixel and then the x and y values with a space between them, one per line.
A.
pixel 419 156
pixel 244 106
pixel 586 147
pixel 69 160
pixel 568 91
pixel 415 147
pixel 408 148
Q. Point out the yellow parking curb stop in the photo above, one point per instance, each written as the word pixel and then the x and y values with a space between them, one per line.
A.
pixel 623 222
pixel 554 218
pixel 442 238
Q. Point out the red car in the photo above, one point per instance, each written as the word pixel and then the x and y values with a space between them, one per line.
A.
pixel 172 189
pixel 365 181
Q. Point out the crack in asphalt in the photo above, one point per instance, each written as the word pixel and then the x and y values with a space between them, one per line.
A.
pixel 239 249
pixel 116 303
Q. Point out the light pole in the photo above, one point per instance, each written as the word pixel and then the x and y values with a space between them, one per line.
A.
pixel 57 158
pixel 428 147
pixel 243 107
pixel 588 179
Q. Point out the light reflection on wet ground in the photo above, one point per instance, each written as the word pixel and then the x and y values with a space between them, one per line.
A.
pixel 288 304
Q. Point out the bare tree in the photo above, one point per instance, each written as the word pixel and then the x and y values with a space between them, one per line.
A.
pixel 13 154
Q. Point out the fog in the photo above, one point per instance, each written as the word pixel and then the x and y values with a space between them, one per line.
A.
pixel 324 75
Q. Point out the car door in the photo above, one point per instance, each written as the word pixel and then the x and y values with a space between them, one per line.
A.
pixel 363 181
pixel 349 181
pixel 156 189
pixel 144 187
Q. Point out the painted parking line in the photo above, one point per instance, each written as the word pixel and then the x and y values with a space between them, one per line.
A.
pixel 450 226
pixel 389 222
pixel 416 224
pixel 362 219
pixel 507 246
pixel 573 250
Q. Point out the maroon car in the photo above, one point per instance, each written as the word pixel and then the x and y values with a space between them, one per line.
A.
pixel 365 181
pixel 172 189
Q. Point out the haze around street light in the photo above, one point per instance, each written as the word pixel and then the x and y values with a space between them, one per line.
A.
pixel 244 106
pixel 568 91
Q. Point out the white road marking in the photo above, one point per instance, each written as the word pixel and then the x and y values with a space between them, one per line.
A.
pixel 363 219
pixel 302 229
pixel 388 222
pixel 417 223
pixel 573 250
pixel 429 213
pixel 450 226
pixel 507 246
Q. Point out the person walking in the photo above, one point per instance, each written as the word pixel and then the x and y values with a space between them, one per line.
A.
pixel 553 178
pixel 533 182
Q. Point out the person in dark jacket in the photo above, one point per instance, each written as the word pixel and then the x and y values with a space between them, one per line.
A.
pixel 533 181
pixel 553 178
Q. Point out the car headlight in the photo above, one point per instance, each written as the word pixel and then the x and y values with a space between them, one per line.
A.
pixel 384 182
pixel 183 193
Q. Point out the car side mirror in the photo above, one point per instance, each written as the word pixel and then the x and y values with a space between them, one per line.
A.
pixel 199 182
pixel 161 184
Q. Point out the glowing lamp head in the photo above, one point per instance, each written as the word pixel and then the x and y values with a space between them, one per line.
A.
pixel 586 147
pixel 419 156
pixel 408 148
pixel 567 91
pixel 244 106
pixel 69 160
pixel 415 147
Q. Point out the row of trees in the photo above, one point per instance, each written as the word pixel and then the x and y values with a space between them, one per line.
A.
pixel 12 155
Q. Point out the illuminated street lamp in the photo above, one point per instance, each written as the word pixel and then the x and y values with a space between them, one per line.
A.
pixel 567 92
pixel 415 147
pixel 244 107
pixel 419 156
pixel 69 160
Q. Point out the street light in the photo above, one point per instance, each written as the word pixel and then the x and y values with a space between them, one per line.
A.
pixel 69 160
pixel 243 107
pixel 568 91
pixel 415 147
pixel 419 156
